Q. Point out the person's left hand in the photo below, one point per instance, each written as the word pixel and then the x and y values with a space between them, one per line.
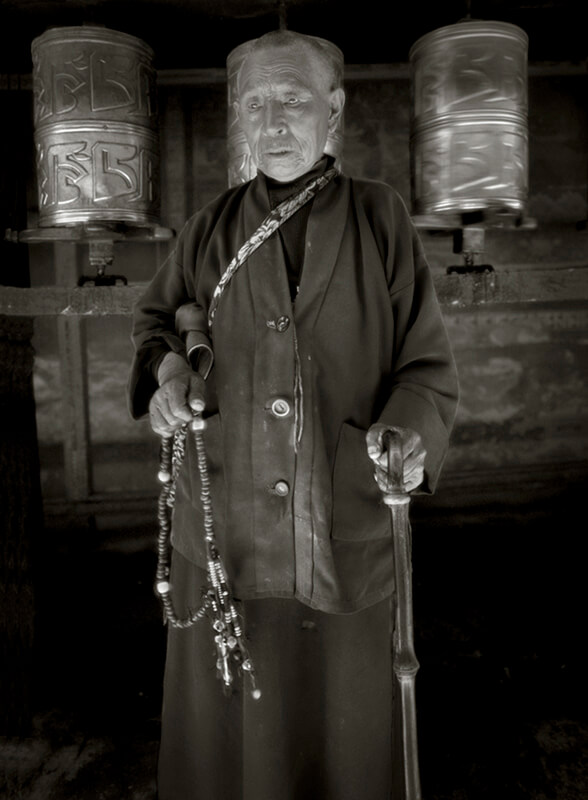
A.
pixel 413 455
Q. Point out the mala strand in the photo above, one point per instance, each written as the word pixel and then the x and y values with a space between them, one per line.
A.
pixel 217 602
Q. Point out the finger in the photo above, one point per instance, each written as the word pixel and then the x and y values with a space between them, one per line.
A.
pixel 414 482
pixel 416 474
pixel 384 480
pixel 196 394
pixel 176 395
pixel 375 447
pixel 159 423
pixel 161 413
pixel 381 478
pixel 404 441
pixel 412 443
pixel 409 457
pixel 410 475
pixel 409 481
pixel 168 414
pixel 414 463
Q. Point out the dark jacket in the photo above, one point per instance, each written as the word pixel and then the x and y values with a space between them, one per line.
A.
pixel 297 510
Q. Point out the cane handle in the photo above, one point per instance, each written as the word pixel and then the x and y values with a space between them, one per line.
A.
pixel 395 492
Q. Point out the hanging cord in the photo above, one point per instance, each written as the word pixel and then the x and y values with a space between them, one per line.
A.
pixel 217 602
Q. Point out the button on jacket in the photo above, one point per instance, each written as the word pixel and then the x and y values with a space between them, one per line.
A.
pixel 295 386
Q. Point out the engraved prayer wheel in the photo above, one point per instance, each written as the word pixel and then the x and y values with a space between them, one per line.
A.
pixel 240 164
pixel 96 127
pixel 469 132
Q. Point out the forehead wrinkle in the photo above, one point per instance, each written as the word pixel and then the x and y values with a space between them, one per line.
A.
pixel 254 82
pixel 259 76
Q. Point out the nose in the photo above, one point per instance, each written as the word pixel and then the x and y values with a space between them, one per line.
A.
pixel 274 121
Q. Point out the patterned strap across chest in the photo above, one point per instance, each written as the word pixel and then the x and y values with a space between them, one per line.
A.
pixel 271 223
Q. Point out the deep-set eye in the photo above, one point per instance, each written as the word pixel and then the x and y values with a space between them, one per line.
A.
pixel 292 101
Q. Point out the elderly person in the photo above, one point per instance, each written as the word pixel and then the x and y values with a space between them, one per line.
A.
pixel 328 335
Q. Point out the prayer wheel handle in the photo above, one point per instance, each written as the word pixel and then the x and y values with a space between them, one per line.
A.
pixel 395 493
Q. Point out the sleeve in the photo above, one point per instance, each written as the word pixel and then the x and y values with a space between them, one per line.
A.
pixel 424 388
pixel 154 330
pixel 192 327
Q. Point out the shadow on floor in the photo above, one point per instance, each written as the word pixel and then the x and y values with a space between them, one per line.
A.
pixel 499 621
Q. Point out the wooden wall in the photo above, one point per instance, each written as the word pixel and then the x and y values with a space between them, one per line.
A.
pixel 520 334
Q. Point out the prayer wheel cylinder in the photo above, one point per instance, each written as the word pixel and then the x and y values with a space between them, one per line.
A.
pixel 469 131
pixel 240 164
pixel 96 127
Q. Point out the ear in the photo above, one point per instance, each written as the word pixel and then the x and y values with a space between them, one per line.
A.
pixel 236 110
pixel 336 104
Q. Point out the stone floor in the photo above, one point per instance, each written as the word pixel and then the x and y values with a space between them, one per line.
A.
pixel 500 629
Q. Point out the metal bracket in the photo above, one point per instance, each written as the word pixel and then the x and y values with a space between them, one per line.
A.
pixel 100 239
pixel 101 258
pixel 469 241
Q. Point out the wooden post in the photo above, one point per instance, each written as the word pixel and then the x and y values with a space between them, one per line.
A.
pixel 21 516
pixel 73 359
pixel 21 520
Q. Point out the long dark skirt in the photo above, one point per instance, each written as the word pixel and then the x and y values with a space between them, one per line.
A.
pixel 322 728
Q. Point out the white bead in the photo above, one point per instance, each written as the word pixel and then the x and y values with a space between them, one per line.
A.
pixel 163 587
pixel 163 476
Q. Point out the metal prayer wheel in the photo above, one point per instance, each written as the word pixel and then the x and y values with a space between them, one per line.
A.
pixel 469 132
pixel 240 163
pixel 96 127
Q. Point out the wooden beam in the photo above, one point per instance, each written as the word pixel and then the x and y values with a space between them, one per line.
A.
pixel 455 292
pixel 69 301
pixel 459 492
pixel 521 286
pixel 207 76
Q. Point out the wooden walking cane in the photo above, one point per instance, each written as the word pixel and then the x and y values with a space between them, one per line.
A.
pixel 405 773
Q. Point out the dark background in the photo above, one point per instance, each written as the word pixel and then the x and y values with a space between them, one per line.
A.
pixel 500 600
pixel 200 33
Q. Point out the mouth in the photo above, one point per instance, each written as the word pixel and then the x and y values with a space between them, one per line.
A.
pixel 278 153
pixel 277 149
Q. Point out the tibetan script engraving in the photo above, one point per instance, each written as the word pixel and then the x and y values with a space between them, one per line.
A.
pixel 96 129
pixel 113 179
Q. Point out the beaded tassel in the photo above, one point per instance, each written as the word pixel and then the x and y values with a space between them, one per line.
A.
pixel 217 602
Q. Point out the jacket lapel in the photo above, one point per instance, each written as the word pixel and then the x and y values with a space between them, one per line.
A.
pixel 265 268
pixel 324 235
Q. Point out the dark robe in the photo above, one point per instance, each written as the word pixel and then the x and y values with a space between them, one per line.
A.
pixel 322 727
pixel 363 342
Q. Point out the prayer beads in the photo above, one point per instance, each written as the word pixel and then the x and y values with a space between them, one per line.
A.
pixel 217 602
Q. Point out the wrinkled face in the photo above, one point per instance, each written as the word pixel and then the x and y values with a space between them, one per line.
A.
pixel 285 109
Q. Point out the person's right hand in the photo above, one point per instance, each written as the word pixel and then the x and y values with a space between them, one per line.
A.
pixel 179 397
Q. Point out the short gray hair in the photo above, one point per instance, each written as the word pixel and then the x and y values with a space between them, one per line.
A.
pixel 329 54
